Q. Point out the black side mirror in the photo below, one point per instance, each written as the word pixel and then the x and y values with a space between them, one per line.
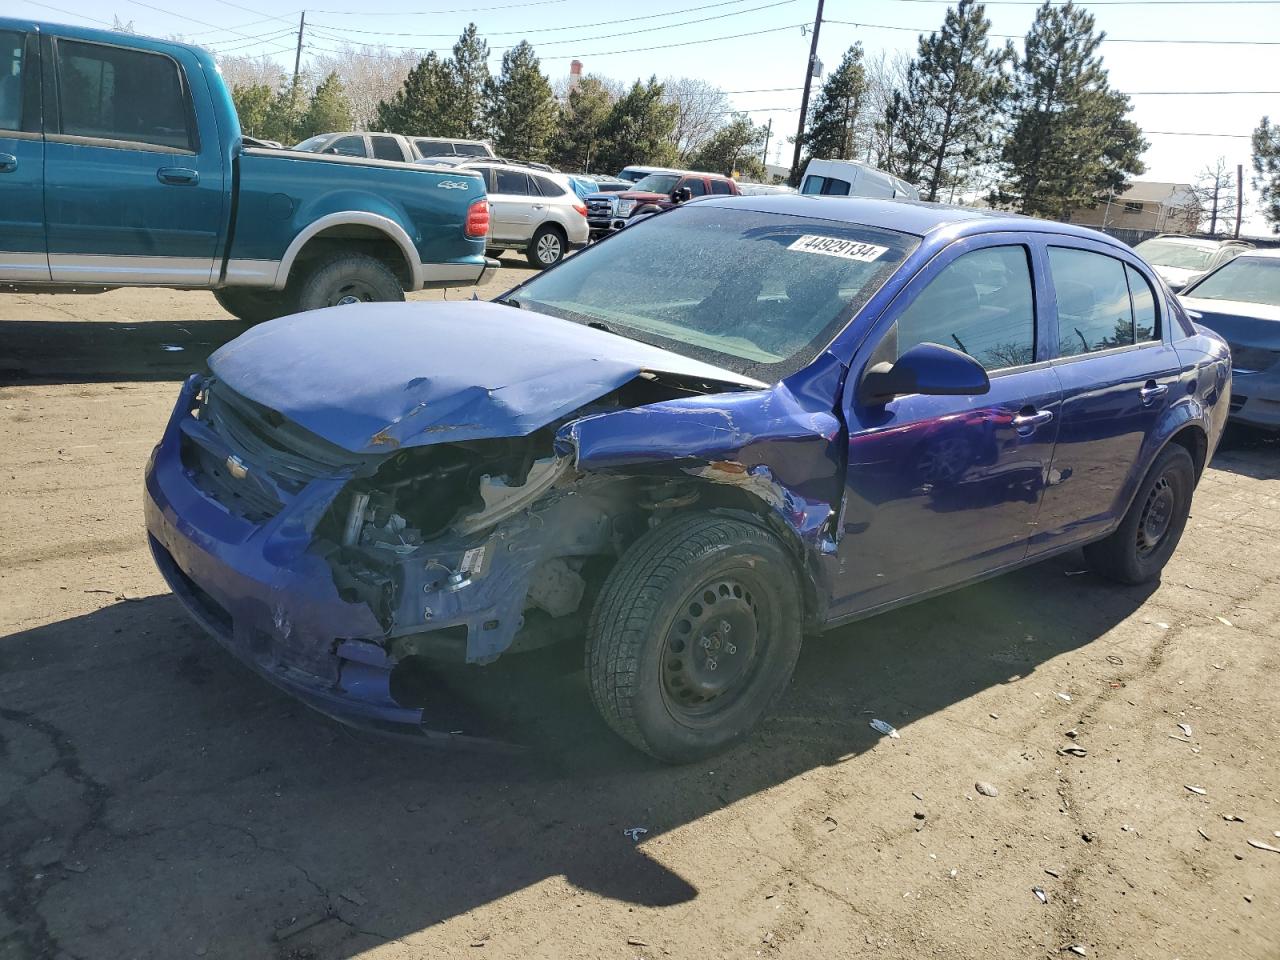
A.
pixel 681 195
pixel 927 368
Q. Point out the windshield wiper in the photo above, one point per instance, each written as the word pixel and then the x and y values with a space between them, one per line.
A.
pixel 597 325
pixel 511 302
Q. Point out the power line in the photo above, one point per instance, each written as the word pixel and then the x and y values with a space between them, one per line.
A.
pixel 1112 3
pixel 183 16
pixel 70 13
pixel 1015 36
pixel 431 13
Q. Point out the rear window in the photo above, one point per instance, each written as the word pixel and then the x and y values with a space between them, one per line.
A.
pixel 386 148
pixel 546 187
pixel 721 186
pixel 112 93
pixel 825 186
pixel 471 150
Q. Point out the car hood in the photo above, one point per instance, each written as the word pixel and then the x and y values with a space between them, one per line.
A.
pixel 372 377
pixel 642 195
pixel 1176 277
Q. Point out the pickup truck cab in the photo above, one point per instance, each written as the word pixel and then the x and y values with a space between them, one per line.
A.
pixel 357 143
pixel 660 190
pixel 122 164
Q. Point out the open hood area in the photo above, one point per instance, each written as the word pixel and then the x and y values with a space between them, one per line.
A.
pixel 376 376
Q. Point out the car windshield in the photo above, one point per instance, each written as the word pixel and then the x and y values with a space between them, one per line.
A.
pixel 757 293
pixel 1247 279
pixel 1181 256
pixel 657 183
pixel 312 143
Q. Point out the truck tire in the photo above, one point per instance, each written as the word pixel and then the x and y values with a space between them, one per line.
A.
pixel 547 248
pixel 254 306
pixel 694 635
pixel 344 279
pixel 1147 536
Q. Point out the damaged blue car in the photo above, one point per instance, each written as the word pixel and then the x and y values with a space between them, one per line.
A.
pixel 741 422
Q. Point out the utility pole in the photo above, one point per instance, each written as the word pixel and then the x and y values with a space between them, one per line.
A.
pixel 768 132
pixel 297 57
pixel 804 100
pixel 1239 196
pixel 1213 215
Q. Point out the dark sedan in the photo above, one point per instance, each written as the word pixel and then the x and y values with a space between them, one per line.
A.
pixel 1240 301
pixel 744 421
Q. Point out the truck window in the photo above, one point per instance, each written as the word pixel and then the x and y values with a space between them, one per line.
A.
pixel 697 186
pixel 471 150
pixel 721 186
pixel 11 80
pixel 348 147
pixel 111 93
pixel 386 148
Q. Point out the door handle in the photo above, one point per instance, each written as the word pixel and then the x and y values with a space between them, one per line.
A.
pixel 178 176
pixel 1153 391
pixel 8 163
pixel 1027 423
pixel 537 206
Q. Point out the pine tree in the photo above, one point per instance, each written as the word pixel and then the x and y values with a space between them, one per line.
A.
pixel 253 103
pixel 579 133
pixel 639 129
pixel 466 104
pixel 834 117
pixel 734 148
pixel 902 131
pixel 283 117
pixel 418 107
pixel 329 110
pixel 1266 168
pixel 1068 139
pixel 523 111
pixel 953 94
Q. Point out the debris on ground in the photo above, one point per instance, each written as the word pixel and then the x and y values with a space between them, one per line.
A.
pixel 1259 845
pixel 481 940
pixel 1051 872
pixel 1203 834
pixel 1198 791
pixel 1073 752
pixel 1185 728
pixel 171 348
pixel 1232 818
pixel 879 726
pixel 994 716
pixel 1078 950
pixel 1115 660
pixel 831 820
pixel 1224 621
pixel 917 795
pixel 305 922
pixel 1073 733
pixel 636 942
pixel 1040 894
pixel 986 789
pixel 635 833
pixel 1064 697
pixel 1075 573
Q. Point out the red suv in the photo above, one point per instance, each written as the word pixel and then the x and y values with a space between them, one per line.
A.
pixel 660 191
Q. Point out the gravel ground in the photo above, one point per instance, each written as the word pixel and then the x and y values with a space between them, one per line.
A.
pixel 158 801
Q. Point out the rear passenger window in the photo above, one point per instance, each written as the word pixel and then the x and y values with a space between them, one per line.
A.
pixel 511 181
pixel 11 80
pixel 826 186
pixel 348 147
pixel 110 93
pixel 697 187
pixel 981 303
pixel 470 150
pixel 386 148
pixel 1094 311
pixel 721 186
pixel 1144 306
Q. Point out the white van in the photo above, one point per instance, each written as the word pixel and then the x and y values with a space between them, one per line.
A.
pixel 849 178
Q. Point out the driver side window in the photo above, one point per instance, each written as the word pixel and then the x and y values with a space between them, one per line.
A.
pixel 982 304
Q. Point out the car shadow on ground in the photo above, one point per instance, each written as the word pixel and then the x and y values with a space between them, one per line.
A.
pixel 160 797
pixel 1249 452
pixel 79 351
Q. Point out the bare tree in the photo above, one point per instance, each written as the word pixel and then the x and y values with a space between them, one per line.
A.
pixel 243 71
pixel 885 75
pixel 368 74
pixel 1214 200
pixel 701 109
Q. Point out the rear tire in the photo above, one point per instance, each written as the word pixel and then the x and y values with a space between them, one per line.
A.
pixel 694 636
pixel 254 306
pixel 1149 533
pixel 346 278
pixel 547 248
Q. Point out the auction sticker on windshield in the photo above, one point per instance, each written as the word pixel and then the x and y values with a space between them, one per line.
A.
pixel 835 247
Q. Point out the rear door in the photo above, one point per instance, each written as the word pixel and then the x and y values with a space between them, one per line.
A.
pixel 387 148
pixel 1118 370
pixel 134 189
pixel 511 205
pixel 22 246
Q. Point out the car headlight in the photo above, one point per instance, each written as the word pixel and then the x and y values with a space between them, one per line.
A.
pixel 625 207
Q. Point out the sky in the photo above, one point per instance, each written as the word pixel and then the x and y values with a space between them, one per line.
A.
pixel 756 50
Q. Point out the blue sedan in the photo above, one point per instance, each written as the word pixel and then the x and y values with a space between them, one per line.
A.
pixel 744 421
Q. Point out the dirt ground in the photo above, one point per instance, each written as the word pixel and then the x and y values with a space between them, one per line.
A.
pixel 159 801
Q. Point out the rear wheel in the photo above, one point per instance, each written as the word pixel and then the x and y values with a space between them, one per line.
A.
pixel 695 634
pixel 345 279
pixel 547 247
pixel 254 306
pixel 1149 533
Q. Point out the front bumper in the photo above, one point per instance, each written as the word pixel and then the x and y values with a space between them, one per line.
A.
pixel 1255 399
pixel 259 592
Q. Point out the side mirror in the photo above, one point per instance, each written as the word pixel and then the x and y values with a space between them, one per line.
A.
pixel 927 368
pixel 681 195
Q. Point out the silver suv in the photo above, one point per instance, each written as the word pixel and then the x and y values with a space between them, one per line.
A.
pixel 1181 261
pixel 532 211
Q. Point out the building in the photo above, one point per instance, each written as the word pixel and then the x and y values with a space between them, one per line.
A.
pixel 1146 205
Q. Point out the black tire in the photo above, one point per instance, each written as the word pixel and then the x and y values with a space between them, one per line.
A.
pixel 254 306
pixel 1149 533
pixel 677 601
pixel 548 246
pixel 343 279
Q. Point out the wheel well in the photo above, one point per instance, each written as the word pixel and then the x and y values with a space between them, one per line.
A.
pixel 552 225
pixel 354 238
pixel 1196 443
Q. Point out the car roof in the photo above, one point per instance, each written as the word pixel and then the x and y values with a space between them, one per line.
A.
pixel 1189 241
pixel 1268 254
pixel 916 217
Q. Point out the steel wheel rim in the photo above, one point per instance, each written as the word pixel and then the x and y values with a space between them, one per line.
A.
pixel 354 291
pixel 713 648
pixel 549 248
pixel 1157 516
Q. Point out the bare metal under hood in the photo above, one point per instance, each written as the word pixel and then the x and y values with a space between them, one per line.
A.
pixel 372 376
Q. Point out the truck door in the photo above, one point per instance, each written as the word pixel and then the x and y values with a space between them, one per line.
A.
pixel 134 186
pixel 22 247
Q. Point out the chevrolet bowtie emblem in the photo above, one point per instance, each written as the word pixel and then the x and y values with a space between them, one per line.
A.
pixel 237 467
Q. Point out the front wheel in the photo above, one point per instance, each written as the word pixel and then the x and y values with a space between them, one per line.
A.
pixel 345 279
pixel 1149 533
pixel 546 249
pixel 695 634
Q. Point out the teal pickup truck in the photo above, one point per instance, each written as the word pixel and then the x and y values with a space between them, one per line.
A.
pixel 122 164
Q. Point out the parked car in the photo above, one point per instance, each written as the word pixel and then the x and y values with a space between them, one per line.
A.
pixel 653 194
pixel 1182 260
pixel 636 173
pixel 737 423
pixel 1240 301
pixel 612 184
pixel 532 211
pixel 748 189
pixel 450 146
pixel 147 181
pixel 354 143
pixel 849 178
